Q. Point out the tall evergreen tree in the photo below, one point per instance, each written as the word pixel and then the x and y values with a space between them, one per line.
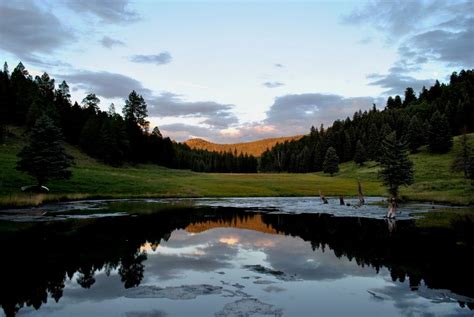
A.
pixel 331 162
pixel 409 97
pixel 390 103
pixel 44 157
pixel 135 109
pixel 360 155
pixel 397 103
pixel 415 134
pixel 461 161
pixel 439 134
pixel 396 167
pixel 63 91
pixel 91 102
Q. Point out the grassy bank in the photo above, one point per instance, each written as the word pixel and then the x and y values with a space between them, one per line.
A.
pixel 91 179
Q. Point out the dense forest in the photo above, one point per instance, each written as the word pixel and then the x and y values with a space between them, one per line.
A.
pixel 106 135
pixel 432 118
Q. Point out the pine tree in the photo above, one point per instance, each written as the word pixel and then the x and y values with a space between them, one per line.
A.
pixel 409 97
pixel 397 169
pixel 91 102
pixel 89 138
pixel 135 109
pixel 360 155
pixel 415 134
pixel 461 162
pixel 397 103
pixel 439 134
pixel 44 157
pixel 347 149
pixel 64 92
pixel 390 103
pixel 331 162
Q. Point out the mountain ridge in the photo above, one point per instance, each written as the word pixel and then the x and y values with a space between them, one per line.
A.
pixel 255 148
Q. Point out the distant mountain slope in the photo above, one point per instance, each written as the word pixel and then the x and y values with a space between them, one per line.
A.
pixel 255 148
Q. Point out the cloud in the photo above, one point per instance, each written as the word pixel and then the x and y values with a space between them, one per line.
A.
pixel 242 133
pixel 109 42
pixel 424 31
pixel 296 113
pixel 182 132
pixel 289 115
pixel 109 11
pixel 105 84
pixel 452 47
pixel 159 59
pixel 272 84
pixel 396 83
pixel 151 313
pixel 394 18
pixel 27 30
pixel 213 114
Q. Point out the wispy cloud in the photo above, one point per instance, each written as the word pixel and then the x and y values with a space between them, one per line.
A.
pixel 272 84
pixel 29 32
pixel 108 11
pixel 105 84
pixel 158 59
pixel 109 42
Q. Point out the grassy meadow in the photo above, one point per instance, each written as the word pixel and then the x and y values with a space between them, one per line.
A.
pixel 91 179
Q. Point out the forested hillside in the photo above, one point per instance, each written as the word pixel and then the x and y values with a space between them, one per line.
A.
pixel 431 118
pixel 106 135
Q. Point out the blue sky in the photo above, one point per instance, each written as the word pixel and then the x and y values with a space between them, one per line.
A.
pixel 232 71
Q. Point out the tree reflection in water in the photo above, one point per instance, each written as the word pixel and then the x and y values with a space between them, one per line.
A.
pixel 37 261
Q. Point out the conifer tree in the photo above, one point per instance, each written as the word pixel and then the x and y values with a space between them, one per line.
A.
pixel 331 162
pixel 360 155
pixel 44 157
pixel 461 162
pixel 135 109
pixel 439 134
pixel 415 134
pixel 390 103
pixel 91 102
pixel 397 169
pixel 409 97
pixel 397 103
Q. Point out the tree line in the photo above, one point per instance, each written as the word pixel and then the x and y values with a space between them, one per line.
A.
pixel 430 119
pixel 112 138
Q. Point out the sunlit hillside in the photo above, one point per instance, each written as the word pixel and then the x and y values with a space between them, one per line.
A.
pixel 255 148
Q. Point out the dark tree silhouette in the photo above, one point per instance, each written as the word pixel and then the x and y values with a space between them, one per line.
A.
pixel 331 162
pixel 461 162
pixel 439 134
pixel 396 167
pixel 415 134
pixel 360 155
pixel 44 157
pixel 409 97
pixel 91 102
pixel 135 109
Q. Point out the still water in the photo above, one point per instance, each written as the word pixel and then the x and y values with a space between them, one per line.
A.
pixel 232 257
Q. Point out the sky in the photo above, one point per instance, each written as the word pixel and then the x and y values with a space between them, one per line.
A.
pixel 235 71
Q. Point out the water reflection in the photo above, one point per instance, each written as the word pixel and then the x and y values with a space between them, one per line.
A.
pixel 250 253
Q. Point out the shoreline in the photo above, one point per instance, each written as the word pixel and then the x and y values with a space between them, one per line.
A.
pixel 23 201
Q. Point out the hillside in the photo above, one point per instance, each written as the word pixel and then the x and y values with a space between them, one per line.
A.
pixel 255 148
pixel 434 180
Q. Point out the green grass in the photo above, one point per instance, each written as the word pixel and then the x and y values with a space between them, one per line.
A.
pixel 445 218
pixel 91 179
pixel 434 179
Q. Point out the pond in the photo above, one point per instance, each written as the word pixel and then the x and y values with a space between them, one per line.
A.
pixel 233 257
